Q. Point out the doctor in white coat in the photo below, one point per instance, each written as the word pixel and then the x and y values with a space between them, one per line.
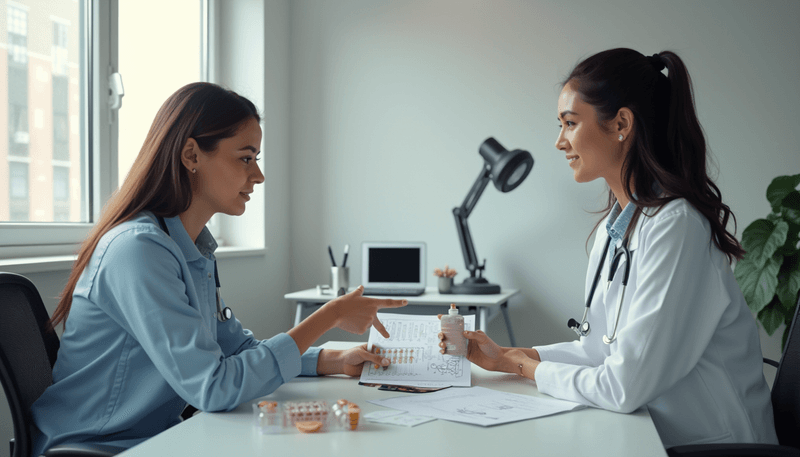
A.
pixel 678 338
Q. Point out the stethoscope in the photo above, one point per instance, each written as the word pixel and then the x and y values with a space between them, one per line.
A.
pixel 583 328
pixel 222 314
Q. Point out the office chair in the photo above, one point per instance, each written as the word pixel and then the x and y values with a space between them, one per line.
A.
pixel 27 354
pixel 785 405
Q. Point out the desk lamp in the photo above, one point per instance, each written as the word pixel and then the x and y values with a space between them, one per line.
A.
pixel 507 169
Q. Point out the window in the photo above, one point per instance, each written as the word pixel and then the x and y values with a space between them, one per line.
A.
pixel 18 190
pixel 43 94
pixel 67 149
pixel 47 206
pixel 61 194
pixel 177 23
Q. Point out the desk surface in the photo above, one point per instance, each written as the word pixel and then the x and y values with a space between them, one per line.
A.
pixel 589 431
pixel 430 297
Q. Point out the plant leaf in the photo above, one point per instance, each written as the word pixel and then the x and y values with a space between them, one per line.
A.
pixel 779 188
pixel 762 238
pixel 791 200
pixel 758 282
pixel 771 317
pixel 788 286
pixel 791 215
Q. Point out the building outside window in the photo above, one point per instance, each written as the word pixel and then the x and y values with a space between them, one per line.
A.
pixel 41 98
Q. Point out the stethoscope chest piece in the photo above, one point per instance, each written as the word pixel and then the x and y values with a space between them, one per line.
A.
pixel 225 313
pixel 580 328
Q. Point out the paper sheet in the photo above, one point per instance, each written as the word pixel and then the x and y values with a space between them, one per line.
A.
pixel 394 417
pixel 478 405
pixel 413 348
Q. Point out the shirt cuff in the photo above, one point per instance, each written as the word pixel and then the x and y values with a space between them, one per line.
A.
pixel 309 362
pixel 287 356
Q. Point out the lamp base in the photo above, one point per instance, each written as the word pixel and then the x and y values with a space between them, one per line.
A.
pixel 475 286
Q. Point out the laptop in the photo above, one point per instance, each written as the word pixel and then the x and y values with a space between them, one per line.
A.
pixel 393 268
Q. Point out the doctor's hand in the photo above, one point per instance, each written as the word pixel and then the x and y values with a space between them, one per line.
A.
pixel 349 362
pixel 484 352
pixel 355 313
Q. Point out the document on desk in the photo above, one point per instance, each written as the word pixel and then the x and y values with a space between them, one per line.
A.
pixel 413 349
pixel 478 405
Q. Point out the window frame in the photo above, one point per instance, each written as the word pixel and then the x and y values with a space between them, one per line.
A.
pixel 19 242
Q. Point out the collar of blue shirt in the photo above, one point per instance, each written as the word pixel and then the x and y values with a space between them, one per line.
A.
pixel 203 247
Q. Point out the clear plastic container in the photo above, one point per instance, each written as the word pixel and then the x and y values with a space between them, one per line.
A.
pixel 453 329
pixel 311 416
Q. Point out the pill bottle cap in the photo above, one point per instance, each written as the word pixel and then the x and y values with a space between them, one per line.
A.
pixel 453 310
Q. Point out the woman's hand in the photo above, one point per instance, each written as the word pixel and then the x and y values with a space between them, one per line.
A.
pixel 484 352
pixel 355 313
pixel 348 362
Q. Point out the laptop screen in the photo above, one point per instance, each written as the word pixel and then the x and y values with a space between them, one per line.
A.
pixel 395 265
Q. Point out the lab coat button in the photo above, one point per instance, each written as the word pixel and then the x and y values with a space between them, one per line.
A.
pixel 209 276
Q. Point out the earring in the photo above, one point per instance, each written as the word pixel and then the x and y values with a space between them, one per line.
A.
pixel 621 137
pixel 194 170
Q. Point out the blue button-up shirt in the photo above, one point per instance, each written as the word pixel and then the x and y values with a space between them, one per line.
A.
pixel 618 221
pixel 142 340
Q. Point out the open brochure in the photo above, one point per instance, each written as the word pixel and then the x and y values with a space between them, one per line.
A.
pixel 413 348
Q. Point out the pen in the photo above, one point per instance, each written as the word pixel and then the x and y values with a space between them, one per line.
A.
pixel 330 253
pixel 346 250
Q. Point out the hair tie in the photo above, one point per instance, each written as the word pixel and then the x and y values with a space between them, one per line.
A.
pixel 657 62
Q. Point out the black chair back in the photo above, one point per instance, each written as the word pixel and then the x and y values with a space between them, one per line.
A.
pixel 27 353
pixel 786 388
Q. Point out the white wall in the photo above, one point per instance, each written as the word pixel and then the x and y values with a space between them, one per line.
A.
pixel 391 100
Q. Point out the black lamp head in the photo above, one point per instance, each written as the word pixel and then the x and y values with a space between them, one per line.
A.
pixel 508 168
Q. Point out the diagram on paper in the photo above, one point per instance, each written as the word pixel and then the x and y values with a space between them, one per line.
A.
pixel 478 405
pixel 413 352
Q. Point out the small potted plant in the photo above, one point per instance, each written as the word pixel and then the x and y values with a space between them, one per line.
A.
pixel 445 278
pixel 769 273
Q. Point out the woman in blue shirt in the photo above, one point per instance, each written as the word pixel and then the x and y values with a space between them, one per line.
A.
pixel 142 337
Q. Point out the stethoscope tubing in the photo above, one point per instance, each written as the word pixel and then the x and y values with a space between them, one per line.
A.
pixel 583 327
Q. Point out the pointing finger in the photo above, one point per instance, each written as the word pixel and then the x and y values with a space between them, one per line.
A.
pixel 358 292
pixel 389 303
pixel 379 327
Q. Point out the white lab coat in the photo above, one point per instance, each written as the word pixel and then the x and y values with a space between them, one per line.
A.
pixel 687 346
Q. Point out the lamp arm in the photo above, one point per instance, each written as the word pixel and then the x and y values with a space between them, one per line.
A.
pixel 476 191
pixel 462 213
pixel 467 247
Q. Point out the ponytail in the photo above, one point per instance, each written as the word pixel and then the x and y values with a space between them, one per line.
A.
pixel 667 158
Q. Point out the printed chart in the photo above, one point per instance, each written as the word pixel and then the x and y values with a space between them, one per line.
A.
pixel 413 349
pixel 478 405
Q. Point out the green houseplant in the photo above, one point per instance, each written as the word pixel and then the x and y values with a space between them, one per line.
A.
pixel 769 273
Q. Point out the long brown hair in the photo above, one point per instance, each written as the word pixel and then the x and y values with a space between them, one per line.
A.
pixel 158 181
pixel 668 147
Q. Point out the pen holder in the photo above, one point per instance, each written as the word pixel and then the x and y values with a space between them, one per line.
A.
pixel 340 280
pixel 445 285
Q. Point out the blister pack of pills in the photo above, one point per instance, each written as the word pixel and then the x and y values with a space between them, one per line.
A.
pixel 311 416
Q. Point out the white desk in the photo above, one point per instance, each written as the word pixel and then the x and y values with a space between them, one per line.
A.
pixel 485 306
pixel 588 432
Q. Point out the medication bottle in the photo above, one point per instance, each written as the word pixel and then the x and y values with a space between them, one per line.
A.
pixel 268 417
pixel 453 329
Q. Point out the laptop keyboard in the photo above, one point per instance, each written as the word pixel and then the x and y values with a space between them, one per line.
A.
pixel 393 291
